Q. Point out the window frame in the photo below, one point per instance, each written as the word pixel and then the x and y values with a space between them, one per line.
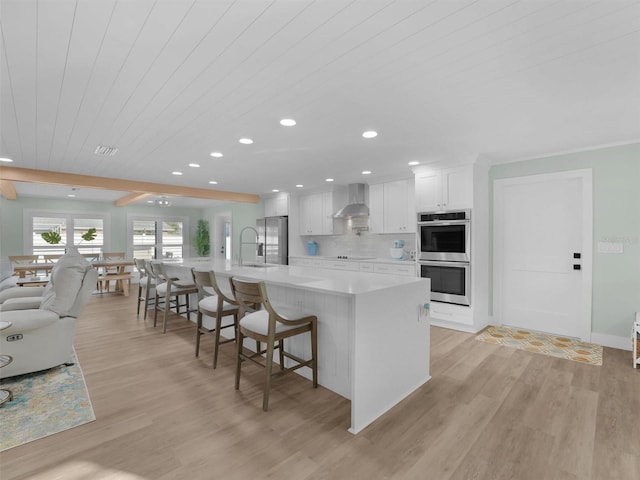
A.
pixel 70 216
pixel 159 219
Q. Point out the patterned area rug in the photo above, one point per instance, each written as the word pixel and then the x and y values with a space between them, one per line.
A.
pixel 44 403
pixel 561 347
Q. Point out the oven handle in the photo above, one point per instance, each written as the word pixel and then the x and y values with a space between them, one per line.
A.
pixel 437 263
pixel 451 222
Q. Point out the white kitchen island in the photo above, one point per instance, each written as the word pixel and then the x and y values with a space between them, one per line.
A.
pixel 373 336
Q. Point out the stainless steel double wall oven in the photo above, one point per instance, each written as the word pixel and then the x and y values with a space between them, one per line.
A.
pixel 444 254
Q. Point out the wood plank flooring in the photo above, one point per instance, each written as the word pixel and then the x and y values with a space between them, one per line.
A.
pixel 489 412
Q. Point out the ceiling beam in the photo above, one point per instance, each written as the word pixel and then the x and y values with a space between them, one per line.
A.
pixel 8 189
pixel 131 198
pixel 71 179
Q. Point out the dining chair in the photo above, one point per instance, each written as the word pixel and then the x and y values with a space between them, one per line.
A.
pixel 213 305
pixel 170 286
pixel 24 260
pixel 261 322
pixel 155 280
pixel 106 271
pixel 147 283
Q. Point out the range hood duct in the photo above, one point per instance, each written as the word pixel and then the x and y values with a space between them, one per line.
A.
pixel 356 207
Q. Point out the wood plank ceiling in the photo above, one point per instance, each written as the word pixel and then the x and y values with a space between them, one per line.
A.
pixel 168 82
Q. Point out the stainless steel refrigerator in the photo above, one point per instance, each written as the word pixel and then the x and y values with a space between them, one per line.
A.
pixel 273 238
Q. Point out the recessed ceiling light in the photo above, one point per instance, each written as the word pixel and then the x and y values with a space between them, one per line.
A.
pixel 413 163
pixel 194 165
pixel 71 195
pixel 370 134
pixel 275 190
pixel 366 172
pixel 246 141
pixel 149 201
pixel 176 173
pixel 328 180
pixel 216 154
pixel 299 185
pixel 287 122
pixel 6 160
pixel 213 182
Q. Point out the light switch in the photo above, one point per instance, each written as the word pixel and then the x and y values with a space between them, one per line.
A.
pixel 610 247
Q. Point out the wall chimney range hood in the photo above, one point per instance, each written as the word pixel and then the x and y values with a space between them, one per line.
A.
pixel 357 206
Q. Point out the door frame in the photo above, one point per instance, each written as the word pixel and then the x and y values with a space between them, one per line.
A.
pixel 499 186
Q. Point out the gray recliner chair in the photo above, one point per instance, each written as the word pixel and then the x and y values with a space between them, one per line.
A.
pixel 42 327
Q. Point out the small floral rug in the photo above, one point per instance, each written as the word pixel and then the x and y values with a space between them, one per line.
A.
pixel 44 403
pixel 562 347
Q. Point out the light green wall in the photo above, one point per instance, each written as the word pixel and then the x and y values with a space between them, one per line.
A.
pixel 11 217
pixel 242 215
pixel 616 215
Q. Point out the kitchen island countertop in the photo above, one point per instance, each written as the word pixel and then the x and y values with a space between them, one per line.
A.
pixel 334 281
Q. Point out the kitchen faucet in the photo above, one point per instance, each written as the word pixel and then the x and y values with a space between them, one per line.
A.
pixel 246 243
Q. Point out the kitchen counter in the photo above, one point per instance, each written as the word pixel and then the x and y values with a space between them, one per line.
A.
pixel 373 340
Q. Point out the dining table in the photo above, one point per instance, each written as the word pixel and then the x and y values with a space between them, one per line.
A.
pixel 119 276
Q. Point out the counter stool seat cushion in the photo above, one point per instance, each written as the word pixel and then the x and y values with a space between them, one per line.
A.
pixel 210 305
pixel 258 322
pixel 175 289
pixel 148 281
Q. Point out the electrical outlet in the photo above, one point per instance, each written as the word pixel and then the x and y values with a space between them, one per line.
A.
pixel 14 337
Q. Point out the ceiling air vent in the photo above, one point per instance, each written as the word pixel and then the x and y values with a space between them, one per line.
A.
pixel 105 151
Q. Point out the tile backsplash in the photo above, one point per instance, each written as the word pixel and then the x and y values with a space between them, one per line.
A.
pixel 363 245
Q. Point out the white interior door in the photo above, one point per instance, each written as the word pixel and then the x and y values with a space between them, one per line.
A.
pixel 542 253
pixel 222 235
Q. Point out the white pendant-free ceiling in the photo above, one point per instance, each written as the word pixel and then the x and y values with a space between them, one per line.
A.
pixel 167 83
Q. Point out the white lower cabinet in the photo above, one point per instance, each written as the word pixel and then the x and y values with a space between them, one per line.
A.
pixel 406 268
pixel 306 262
pixel 448 315
pixel 341 265
pixel 390 269
pixel 366 266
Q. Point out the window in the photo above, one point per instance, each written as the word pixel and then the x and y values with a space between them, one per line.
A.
pixel 68 227
pixel 158 237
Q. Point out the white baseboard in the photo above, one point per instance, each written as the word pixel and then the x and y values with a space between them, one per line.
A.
pixel 612 341
pixel 453 326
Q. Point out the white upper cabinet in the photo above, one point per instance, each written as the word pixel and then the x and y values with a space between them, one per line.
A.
pixel 311 213
pixel 316 212
pixel 276 206
pixel 444 189
pixel 392 208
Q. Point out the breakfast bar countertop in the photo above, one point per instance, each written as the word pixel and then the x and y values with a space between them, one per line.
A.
pixel 309 278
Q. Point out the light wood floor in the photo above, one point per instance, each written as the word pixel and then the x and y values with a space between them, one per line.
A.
pixel 489 412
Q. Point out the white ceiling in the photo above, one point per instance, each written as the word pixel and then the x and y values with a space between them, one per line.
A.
pixel 169 81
